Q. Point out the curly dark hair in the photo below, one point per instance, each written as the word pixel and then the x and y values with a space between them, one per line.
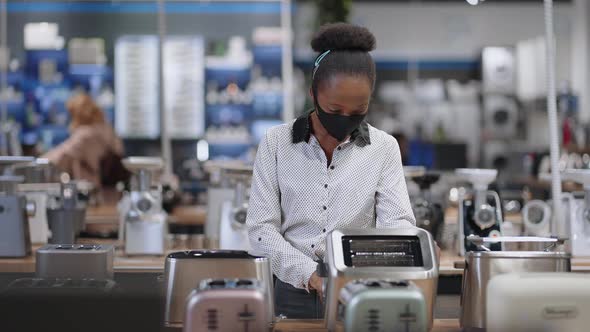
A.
pixel 349 47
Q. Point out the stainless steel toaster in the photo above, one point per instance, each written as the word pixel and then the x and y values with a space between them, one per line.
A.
pixel 480 267
pixel 228 305
pixel 538 302
pixel 184 271
pixel 382 305
pixel 76 261
pixel 398 253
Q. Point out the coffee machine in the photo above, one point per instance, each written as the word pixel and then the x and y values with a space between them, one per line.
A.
pixel 142 221
pixel 480 213
pixel 402 253
pixel 429 215
pixel 15 240
pixel 233 234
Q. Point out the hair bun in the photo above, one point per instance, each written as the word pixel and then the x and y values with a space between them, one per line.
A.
pixel 343 37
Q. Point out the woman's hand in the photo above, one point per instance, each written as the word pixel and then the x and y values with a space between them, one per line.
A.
pixel 316 283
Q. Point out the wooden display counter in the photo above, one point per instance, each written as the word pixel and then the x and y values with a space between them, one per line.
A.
pixel 106 217
pixel 440 325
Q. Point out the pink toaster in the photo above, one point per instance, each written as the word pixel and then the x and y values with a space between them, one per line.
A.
pixel 228 305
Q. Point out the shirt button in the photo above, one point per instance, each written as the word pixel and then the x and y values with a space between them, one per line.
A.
pixel 259 239
pixel 339 148
pixel 324 207
pixel 325 186
pixel 331 167
pixel 313 245
pixel 324 230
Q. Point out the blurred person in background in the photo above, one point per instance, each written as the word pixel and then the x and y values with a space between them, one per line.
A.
pixel 93 152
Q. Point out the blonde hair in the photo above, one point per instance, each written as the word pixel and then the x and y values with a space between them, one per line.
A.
pixel 84 111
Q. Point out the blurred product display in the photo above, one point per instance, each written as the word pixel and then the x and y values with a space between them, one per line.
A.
pixel 192 88
pixel 136 79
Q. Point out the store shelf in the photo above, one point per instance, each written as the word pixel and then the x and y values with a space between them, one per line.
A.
pixel 148 7
pixel 384 63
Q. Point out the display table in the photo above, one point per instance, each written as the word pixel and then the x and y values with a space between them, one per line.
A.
pixel 440 325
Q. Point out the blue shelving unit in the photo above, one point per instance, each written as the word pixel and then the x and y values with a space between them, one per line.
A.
pixel 145 7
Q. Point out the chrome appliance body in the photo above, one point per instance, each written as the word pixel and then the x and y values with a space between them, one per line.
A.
pixel 579 225
pixel 382 305
pixel 143 222
pixel 228 305
pixel 15 239
pixel 39 194
pixel 184 270
pixel 233 233
pixel 65 215
pixel 429 214
pixel 538 302
pixel 480 214
pixel 404 253
pixel 480 267
pixel 75 261
pixel 41 181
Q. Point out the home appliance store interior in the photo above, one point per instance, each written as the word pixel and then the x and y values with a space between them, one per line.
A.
pixel 255 165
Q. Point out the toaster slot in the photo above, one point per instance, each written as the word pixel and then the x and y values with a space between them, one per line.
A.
pixel 244 282
pixel 400 251
pixel 217 283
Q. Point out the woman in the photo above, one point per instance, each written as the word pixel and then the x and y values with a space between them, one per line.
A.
pixel 326 170
pixel 93 151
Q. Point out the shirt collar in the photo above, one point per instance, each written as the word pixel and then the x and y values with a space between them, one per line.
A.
pixel 302 131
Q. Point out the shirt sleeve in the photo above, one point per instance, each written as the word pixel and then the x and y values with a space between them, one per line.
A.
pixel 392 206
pixel 264 220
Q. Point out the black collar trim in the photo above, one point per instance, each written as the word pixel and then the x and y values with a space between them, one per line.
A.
pixel 302 131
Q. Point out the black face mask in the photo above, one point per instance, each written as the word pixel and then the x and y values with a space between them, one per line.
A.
pixel 339 126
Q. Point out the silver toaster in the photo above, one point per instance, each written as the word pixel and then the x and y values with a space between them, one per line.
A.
pixel 540 301
pixel 76 261
pixel 228 305
pixel 398 253
pixel 184 271
pixel 382 305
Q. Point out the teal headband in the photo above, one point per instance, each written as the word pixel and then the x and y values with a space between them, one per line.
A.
pixel 317 62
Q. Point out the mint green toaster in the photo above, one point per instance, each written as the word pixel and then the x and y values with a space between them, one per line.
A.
pixel 382 305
